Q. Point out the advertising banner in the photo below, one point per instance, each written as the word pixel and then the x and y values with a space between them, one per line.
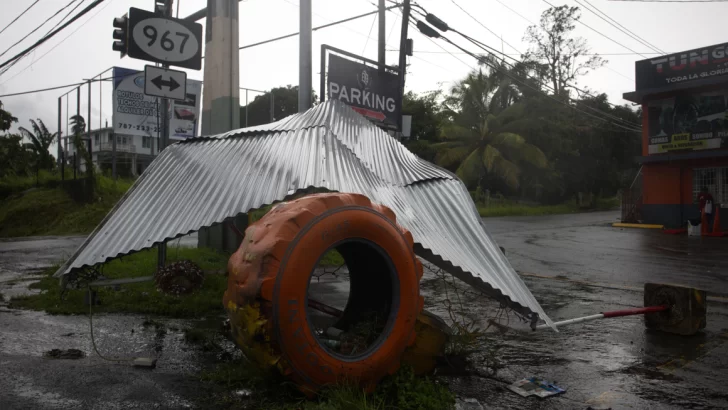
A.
pixel 688 122
pixel 135 113
pixel 698 64
pixel 186 113
pixel 372 93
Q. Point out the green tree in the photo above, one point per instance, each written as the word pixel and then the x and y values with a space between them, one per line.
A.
pixel 6 119
pixel 426 114
pixel 478 142
pixel 78 127
pixel 15 157
pixel 285 101
pixel 40 141
pixel 564 57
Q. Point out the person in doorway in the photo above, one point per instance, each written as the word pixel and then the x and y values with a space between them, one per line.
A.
pixel 707 206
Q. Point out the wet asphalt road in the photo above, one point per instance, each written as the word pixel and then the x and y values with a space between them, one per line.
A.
pixel 574 264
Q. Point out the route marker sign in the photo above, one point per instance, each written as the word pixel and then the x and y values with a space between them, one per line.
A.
pixel 165 83
pixel 164 40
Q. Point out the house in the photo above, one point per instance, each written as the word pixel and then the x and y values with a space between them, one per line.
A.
pixel 133 153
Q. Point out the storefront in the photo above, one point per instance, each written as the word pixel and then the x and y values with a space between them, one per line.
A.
pixel 684 98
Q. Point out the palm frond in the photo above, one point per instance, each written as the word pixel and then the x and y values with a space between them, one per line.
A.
pixel 471 169
pixel 449 158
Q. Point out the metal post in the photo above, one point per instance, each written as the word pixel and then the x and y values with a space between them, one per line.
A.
pixel 60 145
pixel 272 107
pixel 304 55
pixel 246 107
pixel 382 35
pixel 88 125
pixel 101 99
pixel 113 155
pixel 403 52
pixel 162 247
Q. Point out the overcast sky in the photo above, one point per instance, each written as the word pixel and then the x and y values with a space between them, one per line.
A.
pixel 83 50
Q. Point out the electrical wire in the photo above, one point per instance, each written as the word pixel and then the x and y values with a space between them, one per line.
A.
pixel 46 38
pixel 490 50
pixel 57 45
pixel 505 73
pixel 19 16
pixel 39 27
pixel 4 70
pixel 369 36
pixel 599 32
pixel 618 26
pixel 482 25
pixel 93 340
pixel 672 1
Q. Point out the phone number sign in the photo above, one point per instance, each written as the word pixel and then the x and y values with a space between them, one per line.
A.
pixel 164 40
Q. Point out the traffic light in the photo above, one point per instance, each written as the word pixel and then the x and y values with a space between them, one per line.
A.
pixel 163 7
pixel 121 34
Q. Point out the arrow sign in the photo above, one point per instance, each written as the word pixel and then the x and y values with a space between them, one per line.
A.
pixel 172 84
pixel 165 83
pixel 377 115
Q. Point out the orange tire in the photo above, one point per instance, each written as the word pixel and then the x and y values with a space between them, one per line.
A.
pixel 269 276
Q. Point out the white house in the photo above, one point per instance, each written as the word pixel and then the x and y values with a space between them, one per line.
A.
pixel 133 153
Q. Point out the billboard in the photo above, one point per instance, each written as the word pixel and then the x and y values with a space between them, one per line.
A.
pixel 691 65
pixel 135 113
pixel 185 114
pixel 688 122
pixel 372 93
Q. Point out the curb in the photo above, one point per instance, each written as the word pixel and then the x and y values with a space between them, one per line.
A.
pixel 644 226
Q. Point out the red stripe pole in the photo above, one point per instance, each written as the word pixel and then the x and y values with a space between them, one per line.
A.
pixel 635 311
pixel 605 315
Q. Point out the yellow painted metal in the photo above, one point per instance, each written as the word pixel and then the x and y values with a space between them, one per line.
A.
pixel 432 335
pixel 644 226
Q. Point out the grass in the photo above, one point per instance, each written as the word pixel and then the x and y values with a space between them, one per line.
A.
pixel 526 210
pixel 403 390
pixel 51 211
pixel 141 298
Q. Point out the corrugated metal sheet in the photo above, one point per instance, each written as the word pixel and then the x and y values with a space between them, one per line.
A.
pixel 204 181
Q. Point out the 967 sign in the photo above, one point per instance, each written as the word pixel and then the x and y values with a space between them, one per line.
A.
pixel 164 40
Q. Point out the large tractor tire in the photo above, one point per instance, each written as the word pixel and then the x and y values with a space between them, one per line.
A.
pixel 269 278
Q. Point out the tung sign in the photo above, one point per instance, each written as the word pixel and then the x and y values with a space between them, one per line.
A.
pixel 688 65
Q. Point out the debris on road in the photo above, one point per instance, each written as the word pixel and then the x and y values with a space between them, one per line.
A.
pixel 65 354
pixel 535 387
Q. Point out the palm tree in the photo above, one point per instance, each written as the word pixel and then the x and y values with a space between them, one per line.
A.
pixel 479 142
pixel 40 140
pixel 78 127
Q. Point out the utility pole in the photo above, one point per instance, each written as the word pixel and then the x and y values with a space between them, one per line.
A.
pixel 382 37
pixel 60 145
pixel 88 125
pixel 403 51
pixel 304 56
pixel 272 107
pixel 162 247
pixel 221 99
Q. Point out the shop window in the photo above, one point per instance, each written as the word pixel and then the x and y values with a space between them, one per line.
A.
pixel 715 179
pixel 146 142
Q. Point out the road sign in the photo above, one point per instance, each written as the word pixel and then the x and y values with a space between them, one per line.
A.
pixel 161 82
pixel 164 39
pixel 371 92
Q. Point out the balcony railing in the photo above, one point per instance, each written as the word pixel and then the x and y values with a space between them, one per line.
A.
pixel 107 146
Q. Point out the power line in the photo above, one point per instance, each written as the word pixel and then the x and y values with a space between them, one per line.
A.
pixel 504 72
pixel 38 28
pixel 4 70
pixel 672 1
pixel 490 50
pixel 519 14
pixel 49 36
pixel 618 26
pixel 44 89
pixel 600 33
pixel 317 28
pixel 35 60
pixel 482 25
pixel 19 16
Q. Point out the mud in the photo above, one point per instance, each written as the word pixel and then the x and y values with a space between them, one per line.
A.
pixel 575 265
